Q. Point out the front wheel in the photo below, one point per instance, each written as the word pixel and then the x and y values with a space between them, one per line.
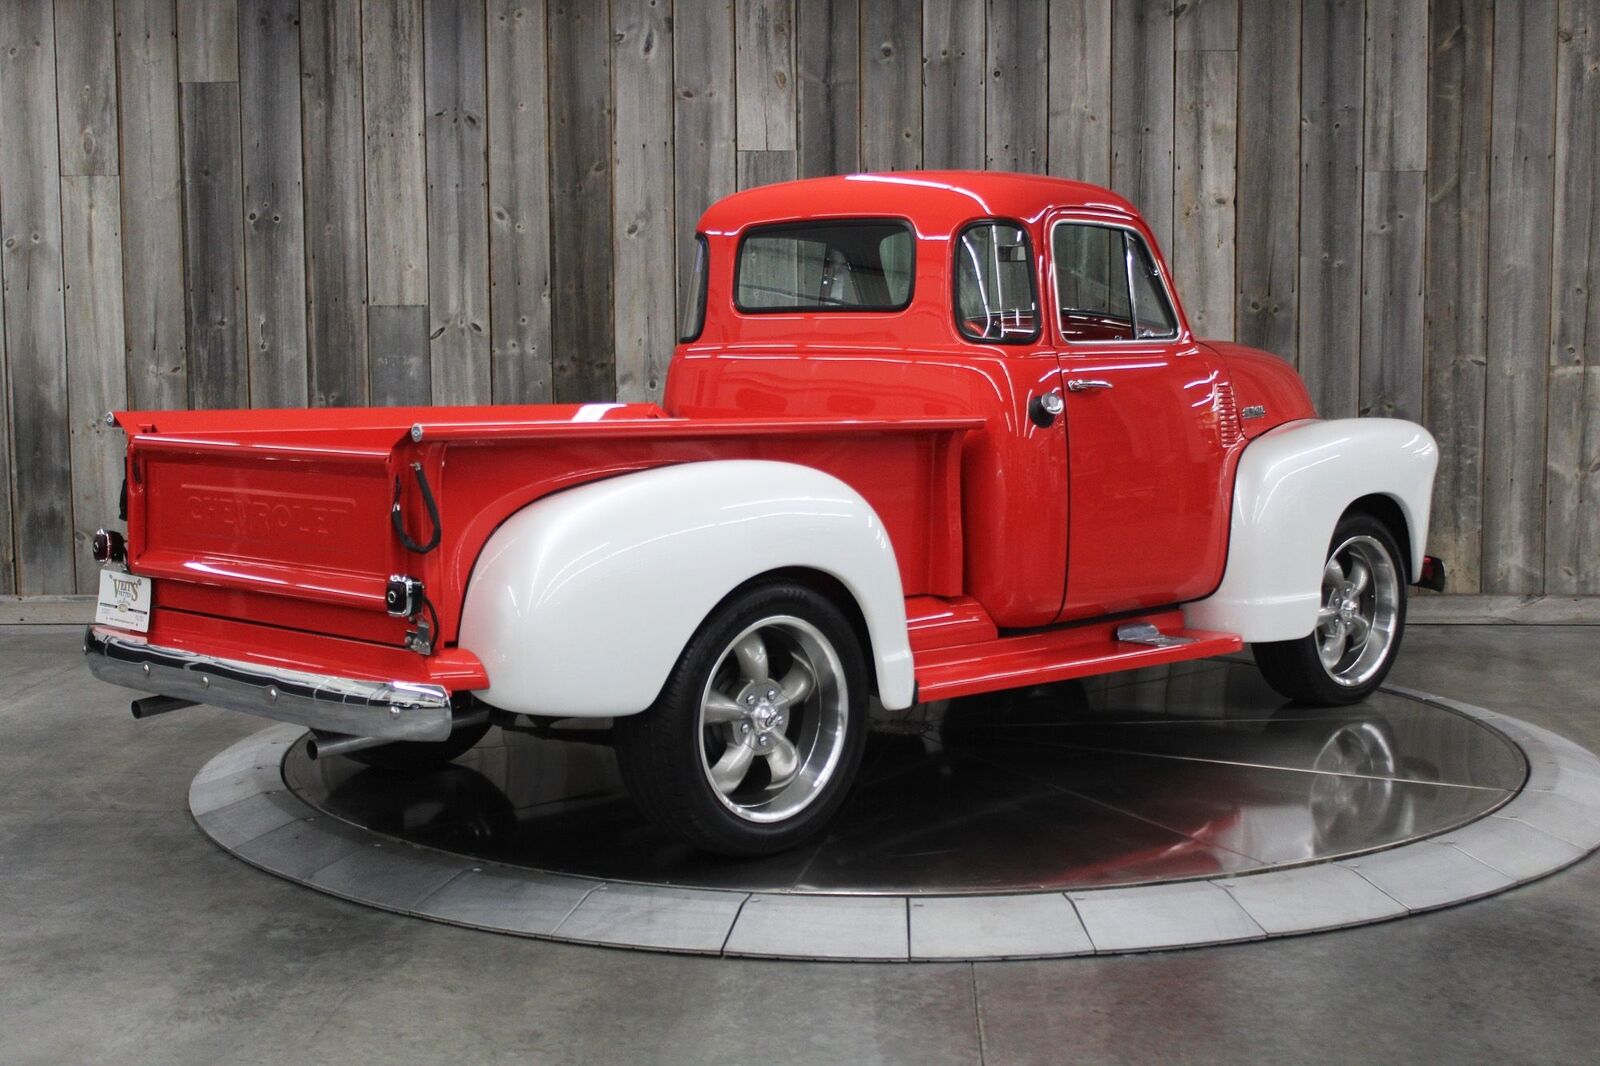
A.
pixel 754 741
pixel 1359 624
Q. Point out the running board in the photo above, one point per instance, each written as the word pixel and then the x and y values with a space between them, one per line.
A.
pixel 1065 653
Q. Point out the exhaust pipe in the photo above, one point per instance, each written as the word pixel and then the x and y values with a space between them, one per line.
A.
pixel 339 744
pixel 324 747
pixel 150 706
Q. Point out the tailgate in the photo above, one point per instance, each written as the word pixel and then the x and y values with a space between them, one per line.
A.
pixel 263 530
pixel 306 522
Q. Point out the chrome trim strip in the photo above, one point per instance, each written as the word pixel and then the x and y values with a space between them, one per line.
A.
pixel 392 710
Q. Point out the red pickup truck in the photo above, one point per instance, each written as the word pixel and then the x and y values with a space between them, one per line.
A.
pixel 926 435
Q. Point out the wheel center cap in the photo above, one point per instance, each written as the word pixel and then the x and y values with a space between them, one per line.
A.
pixel 763 708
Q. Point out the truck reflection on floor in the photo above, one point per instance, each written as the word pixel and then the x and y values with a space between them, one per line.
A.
pixel 1178 772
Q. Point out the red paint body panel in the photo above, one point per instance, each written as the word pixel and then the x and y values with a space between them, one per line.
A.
pixel 1058 655
pixel 998 524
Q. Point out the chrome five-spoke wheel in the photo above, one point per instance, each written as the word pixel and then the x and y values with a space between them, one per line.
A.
pixel 1361 616
pixel 1360 603
pixel 756 736
pixel 773 719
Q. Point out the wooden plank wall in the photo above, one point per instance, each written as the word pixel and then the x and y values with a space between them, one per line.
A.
pixel 279 202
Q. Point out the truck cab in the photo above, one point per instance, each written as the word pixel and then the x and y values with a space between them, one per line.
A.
pixel 925 435
pixel 1101 481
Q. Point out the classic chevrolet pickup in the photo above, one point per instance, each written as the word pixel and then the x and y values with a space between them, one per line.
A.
pixel 926 435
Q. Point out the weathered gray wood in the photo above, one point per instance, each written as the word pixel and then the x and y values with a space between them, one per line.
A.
pixel 1207 25
pixel 519 203
pixel 392 104
pixel 1397 85
pixel 1267 236
pixel 8 559
pixel 1331 102
pixel 208 40
pixel 96 380
pixel 1572 498
pixel 1080 90
pixel 219 373
pixel 765 168
pixel 274 203
pixel 828 61
pixel 30 266
pixel 86 85
pixel 1141 109
pixel 335 224
pixel 954 78
pixel 1016 113
pixel 1460 33
pixel 764 64
pixel 152 211
pixel 891 85
pixel 398 340
pixel 1391 294
pixel 1204 171
pixel 1521 208
pixel 580 193
pixel 458 202
pixel 642 235
pixel 704 151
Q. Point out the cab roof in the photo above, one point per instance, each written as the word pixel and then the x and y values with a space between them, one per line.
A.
pixel 934 200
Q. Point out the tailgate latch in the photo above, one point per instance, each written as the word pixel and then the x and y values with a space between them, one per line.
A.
pixel 404 597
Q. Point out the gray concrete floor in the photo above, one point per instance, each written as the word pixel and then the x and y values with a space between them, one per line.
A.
pixel 125 936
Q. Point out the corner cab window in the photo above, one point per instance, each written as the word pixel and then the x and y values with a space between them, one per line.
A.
pixel 693 317
pixel 826 266
pixel 995 296
pixel 1107 286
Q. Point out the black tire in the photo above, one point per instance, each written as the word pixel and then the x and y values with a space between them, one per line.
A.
pixel 1298 670
pixel 669 754
pixel 420 756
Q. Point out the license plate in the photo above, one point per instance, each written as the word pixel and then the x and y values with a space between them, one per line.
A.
pixel 124 601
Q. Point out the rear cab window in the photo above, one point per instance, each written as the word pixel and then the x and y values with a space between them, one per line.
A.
pixel 845 265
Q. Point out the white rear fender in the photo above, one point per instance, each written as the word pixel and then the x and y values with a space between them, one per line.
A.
pixel 582 602
pixel 1292 486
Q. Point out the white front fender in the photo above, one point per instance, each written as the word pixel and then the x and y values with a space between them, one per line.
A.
pixel 582 602
pixel 1292 486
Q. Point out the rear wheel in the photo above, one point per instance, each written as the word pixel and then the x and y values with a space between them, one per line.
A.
pixel 756 736
pixel 1359 624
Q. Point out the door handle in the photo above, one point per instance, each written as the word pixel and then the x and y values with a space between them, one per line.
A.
pixel 1085 384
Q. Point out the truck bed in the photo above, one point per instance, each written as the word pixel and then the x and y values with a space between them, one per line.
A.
pixel 270 531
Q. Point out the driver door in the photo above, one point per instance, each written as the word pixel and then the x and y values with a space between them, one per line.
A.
pixel 1144 423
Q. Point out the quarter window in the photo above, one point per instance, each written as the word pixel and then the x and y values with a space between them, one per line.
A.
pixel 996 299
pixel 826 266
pixel 1107 285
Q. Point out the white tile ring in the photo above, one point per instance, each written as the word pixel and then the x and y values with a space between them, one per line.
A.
pixel 240 801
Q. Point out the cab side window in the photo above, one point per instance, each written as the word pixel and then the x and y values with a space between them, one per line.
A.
pixel 1107 285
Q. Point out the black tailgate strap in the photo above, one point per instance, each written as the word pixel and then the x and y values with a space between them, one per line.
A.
pixel 397 516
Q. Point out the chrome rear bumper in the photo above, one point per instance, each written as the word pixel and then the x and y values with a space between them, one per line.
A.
pixel 392 710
